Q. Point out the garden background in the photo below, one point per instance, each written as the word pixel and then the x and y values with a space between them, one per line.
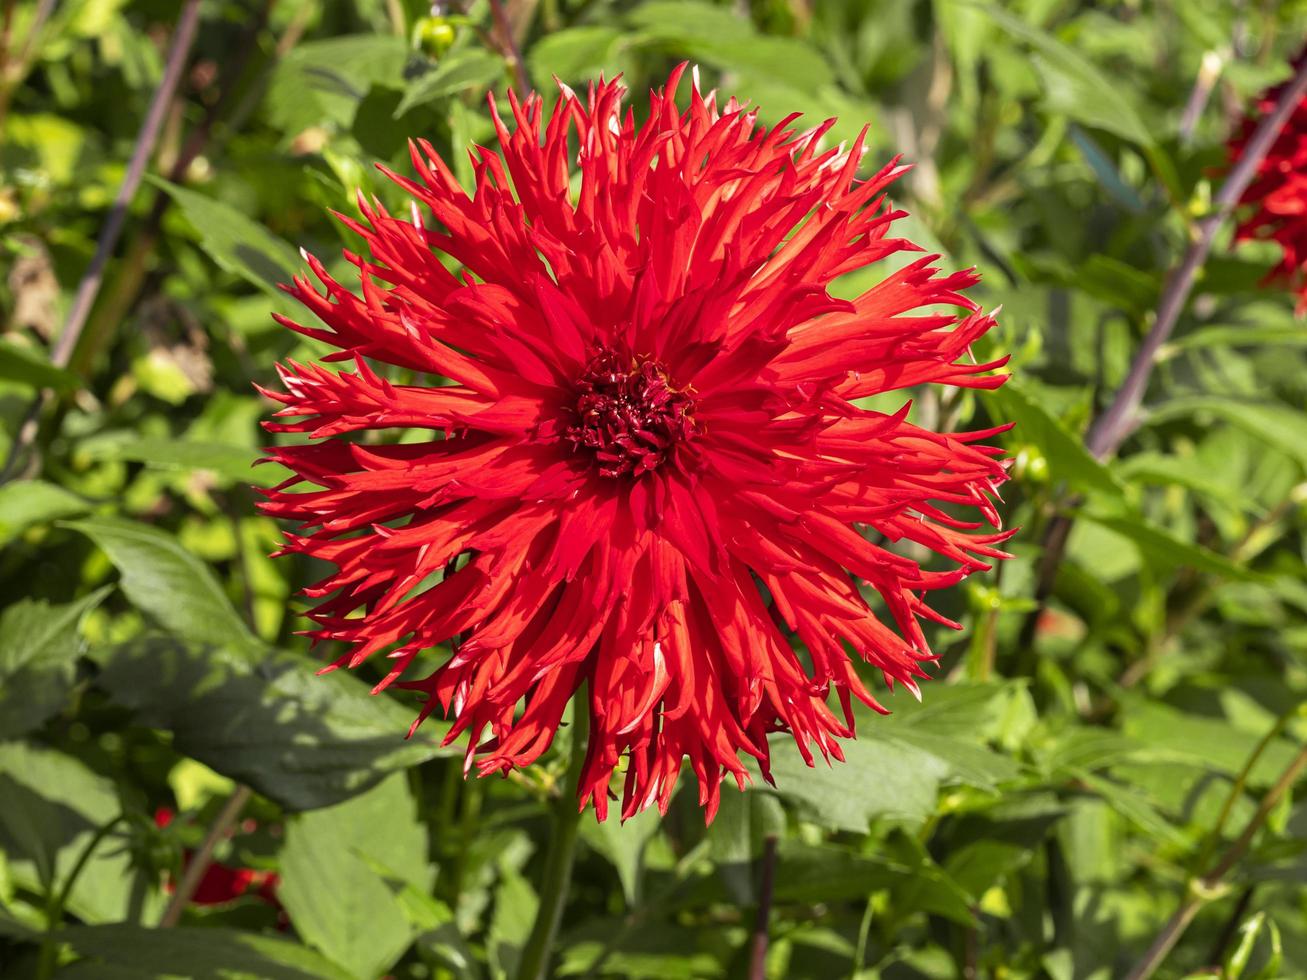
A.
pixel 1107 765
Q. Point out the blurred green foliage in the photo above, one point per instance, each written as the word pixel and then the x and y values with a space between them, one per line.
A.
pixel 1046 809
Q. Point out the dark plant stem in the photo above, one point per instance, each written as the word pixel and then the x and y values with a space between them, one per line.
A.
pixel 89 287
pixel 1237 787
pixel 971 950
pixel 202 858
pixel 58 900
pixel 508 44
pixel 1112 428
pixel 6 36
pixel 1196 603
pixel 15 69
pixel 125 288
pixel 557 874
pixel 1053 547
pixel 1207 887
pixel 761 925
pixel 1166 939
pixel 1272 797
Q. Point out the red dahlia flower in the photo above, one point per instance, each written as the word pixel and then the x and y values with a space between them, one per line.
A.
pixel 651 478
pixel 1277 196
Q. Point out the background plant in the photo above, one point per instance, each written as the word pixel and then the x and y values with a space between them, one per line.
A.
pixel 1103 780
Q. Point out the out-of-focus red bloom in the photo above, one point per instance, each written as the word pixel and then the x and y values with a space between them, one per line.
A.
pixel 220 883
pixel 1276 200
pixel 651 477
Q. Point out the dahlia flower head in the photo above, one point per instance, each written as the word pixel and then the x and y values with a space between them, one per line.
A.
pixel 635 470
pixel 1275 202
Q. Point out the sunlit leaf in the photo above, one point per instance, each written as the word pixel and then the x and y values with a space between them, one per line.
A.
pixel 1075 86
pixel 1068 459
pixel 237 244
pixel 163 579
pixel 31 503
pixel 39 644
pixel 336 899
pixel 267 719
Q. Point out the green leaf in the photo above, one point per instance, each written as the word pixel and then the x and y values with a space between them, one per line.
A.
pixel 1136 807
pixel 572 53
pixel 655 949
pixel 805 873
pixel 1288 334
pixel 238 245
pixel 1079 749
pixel 39 645
pixel 1163 550
pixel 1190 472
pixel 737 838
pixel 988 846
pixel 322 82
pixel 1107 173
pixel 1237 960
pixel 969 709
pixel 950 724
pixel 34 369
pixel 30 503
pixel 336 900
pixel 229 464
pixel 1068 459
pixel 267 719
pixel 1116 282
pixel 53 806
pixel 198 953
pixel 716 36
pixel 163 579
pixel 515 908
pixel 1211 743
pixel 874 781
pixel 623 843
pixel 966 761
pixel 445 946
pixel 983 864
pixel 1278 426
pixel 829 873
pixel 692 19
pixel 1074 86
pixel 458 71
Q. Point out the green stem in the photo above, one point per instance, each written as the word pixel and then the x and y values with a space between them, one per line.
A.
pixel 1237 788
pixel 864 935
pixel 558 859
pixel 1208 887
pixel 761 932
pixel 58 900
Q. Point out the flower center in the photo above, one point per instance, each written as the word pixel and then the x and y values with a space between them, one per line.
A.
pixel 628 414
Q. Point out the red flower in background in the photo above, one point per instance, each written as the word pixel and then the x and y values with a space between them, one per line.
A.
pixel 221 884
pixel 1277 197
pixel 650 475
